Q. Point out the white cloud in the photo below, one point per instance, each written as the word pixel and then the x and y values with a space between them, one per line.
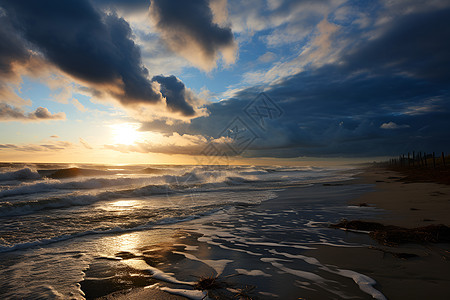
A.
pixel 392 125
pixel 267 57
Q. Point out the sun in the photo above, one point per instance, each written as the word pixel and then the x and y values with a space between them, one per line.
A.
pixel 125 133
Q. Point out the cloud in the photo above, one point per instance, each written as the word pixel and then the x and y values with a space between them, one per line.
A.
pixel 127 5
pixel 78 105
pixel 85 144
pixel 392 125
pixel 395 78
pixel 322 47
pixel 12 49
pixel 172 144
pixel 267 57
pixel 8 146
pixel 198 38
pixel 53 146
pixel 86 47
pixel 10 113
pixel 90 46
pixel 416 44
pixel 177 97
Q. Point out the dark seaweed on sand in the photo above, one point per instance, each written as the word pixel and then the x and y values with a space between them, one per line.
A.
pixel 209 283
pixel 220 289
pixel 390 235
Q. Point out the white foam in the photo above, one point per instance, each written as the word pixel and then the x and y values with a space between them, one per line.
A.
pixel 190 294
pixel 299 273
pixel 364 282
pixel 209 240
pixel 307 259
pixel 269 244
pixel 22 174
pixel 49 185
pixel 141 265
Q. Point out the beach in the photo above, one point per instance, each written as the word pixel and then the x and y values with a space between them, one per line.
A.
pixel 278 248
pixel 426 276
pixel 218 149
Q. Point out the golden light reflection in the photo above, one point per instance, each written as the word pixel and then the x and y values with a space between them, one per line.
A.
pixel 127 242
pixel 125 204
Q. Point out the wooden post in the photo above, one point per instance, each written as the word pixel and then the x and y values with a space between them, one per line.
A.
pixel 414 157
pixel 443 159
pixel 434 161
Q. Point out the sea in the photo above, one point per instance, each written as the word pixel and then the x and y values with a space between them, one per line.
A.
pixel 58 220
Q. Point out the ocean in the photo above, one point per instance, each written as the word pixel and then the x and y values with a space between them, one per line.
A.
pixel 59 222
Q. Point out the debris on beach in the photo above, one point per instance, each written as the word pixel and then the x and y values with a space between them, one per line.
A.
pixel 209 283
pixel 390 235
pixel 220 289
pixel 401 255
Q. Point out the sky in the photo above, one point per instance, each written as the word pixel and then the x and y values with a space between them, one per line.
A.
pixel 222 81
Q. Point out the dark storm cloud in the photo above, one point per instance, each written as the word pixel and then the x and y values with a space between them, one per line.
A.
pixel 188 29
pixel 11 46
pixel 85 43
pixel 401 77
pixel 417 44
pixel 175 93
pixel 10 113
pixel 8 146
pixel 127 5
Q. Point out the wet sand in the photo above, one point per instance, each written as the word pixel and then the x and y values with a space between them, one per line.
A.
pixel 272 251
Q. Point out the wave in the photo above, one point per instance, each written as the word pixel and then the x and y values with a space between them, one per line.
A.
pixel 29 197
pixel 88 184
pixel 115 230
pixel 22 174
pixel 25 207
pixel 75 199
pixel 72 172
pixel 80 172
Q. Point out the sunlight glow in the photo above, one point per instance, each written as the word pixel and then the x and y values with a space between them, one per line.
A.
pixel 126 133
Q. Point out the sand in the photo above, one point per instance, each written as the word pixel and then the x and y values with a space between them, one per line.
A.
pixel 407 204
pixel 142 293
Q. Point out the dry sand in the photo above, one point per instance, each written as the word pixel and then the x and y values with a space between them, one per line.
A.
pixel 407 204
